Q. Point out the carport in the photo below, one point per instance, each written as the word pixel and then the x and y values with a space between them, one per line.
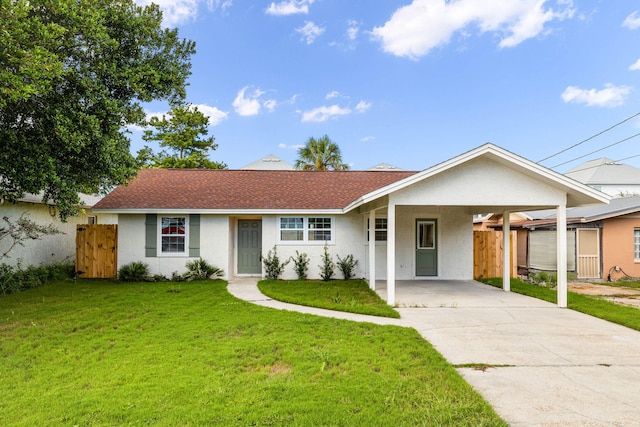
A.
pixel 434 209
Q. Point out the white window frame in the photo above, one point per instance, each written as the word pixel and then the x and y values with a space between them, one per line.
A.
pixel 306 230
pixel 636 244
pixel 385 230
pixel 184 253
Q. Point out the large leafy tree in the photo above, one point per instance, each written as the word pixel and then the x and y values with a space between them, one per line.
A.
pixel 182 131
pixel 73 74
pixel 320 154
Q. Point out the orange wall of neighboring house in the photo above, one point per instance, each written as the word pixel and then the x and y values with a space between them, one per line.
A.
pixel 617 247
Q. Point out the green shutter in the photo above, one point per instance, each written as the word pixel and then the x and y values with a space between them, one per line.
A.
pixel 194 235
pixel 151 235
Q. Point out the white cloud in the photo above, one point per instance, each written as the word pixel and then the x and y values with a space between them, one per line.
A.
pixel 270 104
pixel 215 115
pixel 289 7
pixel 310 31
pixel 367 138
pixel 610 96
pixel 219 4
pixel 353 29
pixel 363 106
pixel 635 66
pixel 334 94
pixel 632 21
pixel 290 147
pixel 248 105
pixel 414 30
pixel 174 12
pixel 324 113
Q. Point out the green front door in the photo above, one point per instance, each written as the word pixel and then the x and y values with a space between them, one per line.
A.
pixel 249 246
pixel 426 248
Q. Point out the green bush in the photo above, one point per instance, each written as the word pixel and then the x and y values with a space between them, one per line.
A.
pixel 199 269
pixel 136 271
pixel 346 265
pixel 327 268
pixel 15 279
pixel 273 268
pixel 301 265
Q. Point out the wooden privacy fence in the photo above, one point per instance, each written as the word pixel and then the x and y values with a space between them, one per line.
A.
pixel 487 254
pixel 96 250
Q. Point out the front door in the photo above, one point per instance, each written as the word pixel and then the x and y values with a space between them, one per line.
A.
pixel 426 248
pixel 249 246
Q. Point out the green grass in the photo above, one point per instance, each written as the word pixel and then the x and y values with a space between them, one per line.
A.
pixel 592 305
pixel 624 283
pixel 352 296
pixel 106 353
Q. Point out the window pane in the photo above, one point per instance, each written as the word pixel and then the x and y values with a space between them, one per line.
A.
pixel 426 235
pixel 172 244
pixel 636 243
pixel 291 234
pixel 291 223
pixel 319 229
pixel 173 225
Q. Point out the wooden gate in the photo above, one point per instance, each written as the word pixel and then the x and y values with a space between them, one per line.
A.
pixel 96 251
pixel 487 254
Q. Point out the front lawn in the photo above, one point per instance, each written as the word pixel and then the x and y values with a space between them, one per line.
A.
pixel 352 296
pixel 592 305
pixel 105 353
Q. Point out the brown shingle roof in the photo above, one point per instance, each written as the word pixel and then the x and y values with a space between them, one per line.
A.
pixel 246 189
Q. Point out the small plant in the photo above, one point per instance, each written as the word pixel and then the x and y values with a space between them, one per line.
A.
pixel 199 269
pixel 301 265
pixel 273 268
pixel 136 271
pixel 347 265
pixel 327 268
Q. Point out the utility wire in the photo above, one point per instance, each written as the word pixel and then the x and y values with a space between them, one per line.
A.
pixel 597 166
pixel 590 138
pixel 595 151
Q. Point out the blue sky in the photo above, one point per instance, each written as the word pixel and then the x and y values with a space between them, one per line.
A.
pixel 413 83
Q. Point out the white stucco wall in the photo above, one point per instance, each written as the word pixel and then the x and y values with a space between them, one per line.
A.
pixel 214 245
pixel 348 239
pixel 480 182
pixel 48 249
pixel 454 243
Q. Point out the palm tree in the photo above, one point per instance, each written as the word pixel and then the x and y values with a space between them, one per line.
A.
pixel 320 154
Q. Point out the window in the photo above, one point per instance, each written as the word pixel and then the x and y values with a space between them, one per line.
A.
pixel 173 235
pixel 381 229
pixel 92 219
pixel 291 228
pixel 303 229
pixel 636 244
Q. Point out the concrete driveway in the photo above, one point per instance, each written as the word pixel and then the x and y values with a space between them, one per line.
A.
pixel 537 364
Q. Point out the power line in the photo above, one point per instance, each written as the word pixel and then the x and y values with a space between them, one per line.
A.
pixel 595 151
pixel 597 166
pixel 590 138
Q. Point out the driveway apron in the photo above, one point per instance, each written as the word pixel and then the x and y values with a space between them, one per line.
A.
pixel 535 363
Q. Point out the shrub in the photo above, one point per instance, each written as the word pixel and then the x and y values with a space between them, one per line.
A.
pixel 136 271
pixel 199 269
pixel 15 279
pixel 301 265
pixel 272 266
pixel 346 265
pixel 328 266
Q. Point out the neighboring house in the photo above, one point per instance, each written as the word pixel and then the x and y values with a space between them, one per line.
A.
pixel 384 167
pixel 422 222
pixel 603 241
pixel 610 177
pixel 269 162
pixel 53 248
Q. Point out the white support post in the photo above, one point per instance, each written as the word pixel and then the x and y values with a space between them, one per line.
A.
pixel 561 233
pixel 372 249
pixel 506 251
pixel 391 254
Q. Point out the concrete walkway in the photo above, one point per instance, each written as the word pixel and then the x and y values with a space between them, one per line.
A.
pixel 540 365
